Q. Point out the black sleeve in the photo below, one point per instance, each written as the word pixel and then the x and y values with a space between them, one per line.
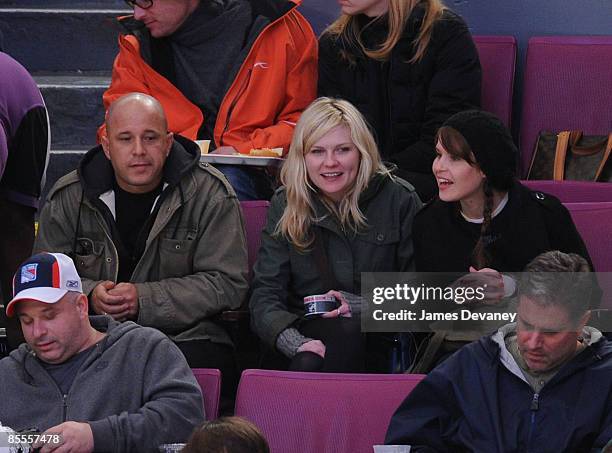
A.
pixel 417 237
pixel 27 157
pixel 405 253
pixel 454 87
pixel 328 71
pixel 564 236
pixel 562 231
pixel 426 418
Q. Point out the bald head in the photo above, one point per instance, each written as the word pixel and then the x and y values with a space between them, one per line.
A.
pixel 136 101
pixel 137 142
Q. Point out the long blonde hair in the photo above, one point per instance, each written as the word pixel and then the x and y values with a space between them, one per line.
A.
pixel 323 115
pixel 347 29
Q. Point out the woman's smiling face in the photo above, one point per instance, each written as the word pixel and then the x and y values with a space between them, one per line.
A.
pixel 332 163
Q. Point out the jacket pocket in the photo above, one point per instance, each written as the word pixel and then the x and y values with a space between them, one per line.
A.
pixel 89 258
pixel 380 236
pixel 377 250
pixel 175 257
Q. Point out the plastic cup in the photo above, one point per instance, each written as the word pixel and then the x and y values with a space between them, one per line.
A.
pixel 171 448
pixel 391 448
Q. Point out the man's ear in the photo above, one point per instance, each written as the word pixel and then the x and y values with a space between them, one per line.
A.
pixel 82 304
pixel 583 320
pixel 105 145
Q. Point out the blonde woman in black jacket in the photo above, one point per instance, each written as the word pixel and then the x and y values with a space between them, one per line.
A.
pixel 407 65
pixel 336 193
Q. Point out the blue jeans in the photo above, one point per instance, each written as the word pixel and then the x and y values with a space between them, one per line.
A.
pixel 249 183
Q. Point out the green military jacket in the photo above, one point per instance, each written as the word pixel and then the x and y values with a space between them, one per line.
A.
pixel 283 275
pixel 194 263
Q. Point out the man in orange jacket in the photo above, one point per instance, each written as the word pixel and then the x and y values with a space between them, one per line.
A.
pixel 236 72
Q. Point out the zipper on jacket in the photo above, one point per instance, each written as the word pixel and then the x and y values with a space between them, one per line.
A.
pixel 172 210
pixel 65 408
pixel 255 43
pixel 233 105
pixel 535 406
pixel 110 240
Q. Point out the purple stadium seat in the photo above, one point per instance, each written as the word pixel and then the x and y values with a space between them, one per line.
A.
pixel 594 222
pixel 574 191
pixel 210 383
pixel 567 86
pixel 497 58
pixel 322 412
pixel 254 213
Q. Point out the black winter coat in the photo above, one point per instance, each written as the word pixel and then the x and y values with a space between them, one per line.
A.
pixel 530 224
pixel 405 103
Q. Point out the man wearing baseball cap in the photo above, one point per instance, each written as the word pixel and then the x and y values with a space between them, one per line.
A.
pixel 127 388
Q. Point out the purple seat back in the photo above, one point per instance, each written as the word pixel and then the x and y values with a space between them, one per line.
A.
pixel 497 58
pixel 574 191
pixel 594 222
pixel 255 214
pixel 322 412
pixel 567 85
pixel 210 383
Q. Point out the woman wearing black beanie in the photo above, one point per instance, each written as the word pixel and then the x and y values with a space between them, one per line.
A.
pixel 483 217
pixel 483 220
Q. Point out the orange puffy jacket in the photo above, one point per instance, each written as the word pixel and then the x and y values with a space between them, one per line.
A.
pixel 276 82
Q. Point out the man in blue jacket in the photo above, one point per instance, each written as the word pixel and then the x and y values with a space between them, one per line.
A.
pixel 543 384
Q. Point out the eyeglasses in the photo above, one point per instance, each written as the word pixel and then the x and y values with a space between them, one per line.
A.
pixel 144 4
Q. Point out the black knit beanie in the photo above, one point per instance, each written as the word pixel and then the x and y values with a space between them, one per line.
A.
pixel 492 145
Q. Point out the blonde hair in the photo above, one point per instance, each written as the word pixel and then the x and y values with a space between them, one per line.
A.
pixel 323 115
pixel 347 29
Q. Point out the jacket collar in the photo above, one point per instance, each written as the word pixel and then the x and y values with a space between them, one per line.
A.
pixel 97 176
pixel 374 186
pixel 597 348
pixel 30 367
pixel 271 10
pixel 376 29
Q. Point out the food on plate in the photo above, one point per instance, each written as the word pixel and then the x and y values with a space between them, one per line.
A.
pixel 267 152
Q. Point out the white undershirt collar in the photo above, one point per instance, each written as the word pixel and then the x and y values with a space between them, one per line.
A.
pixel 497 210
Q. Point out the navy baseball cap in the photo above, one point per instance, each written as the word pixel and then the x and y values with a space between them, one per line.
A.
pixel 45 277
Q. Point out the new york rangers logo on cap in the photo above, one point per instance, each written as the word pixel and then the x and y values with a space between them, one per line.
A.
pixel 45 277
pixel 28 272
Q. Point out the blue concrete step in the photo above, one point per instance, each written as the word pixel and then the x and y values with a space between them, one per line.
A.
pixel 320 13
pixel 61 162
pixel 61 39
pixel 59 35
pixel 74 102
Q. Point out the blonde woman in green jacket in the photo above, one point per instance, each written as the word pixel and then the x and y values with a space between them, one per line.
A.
pixel 341 212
